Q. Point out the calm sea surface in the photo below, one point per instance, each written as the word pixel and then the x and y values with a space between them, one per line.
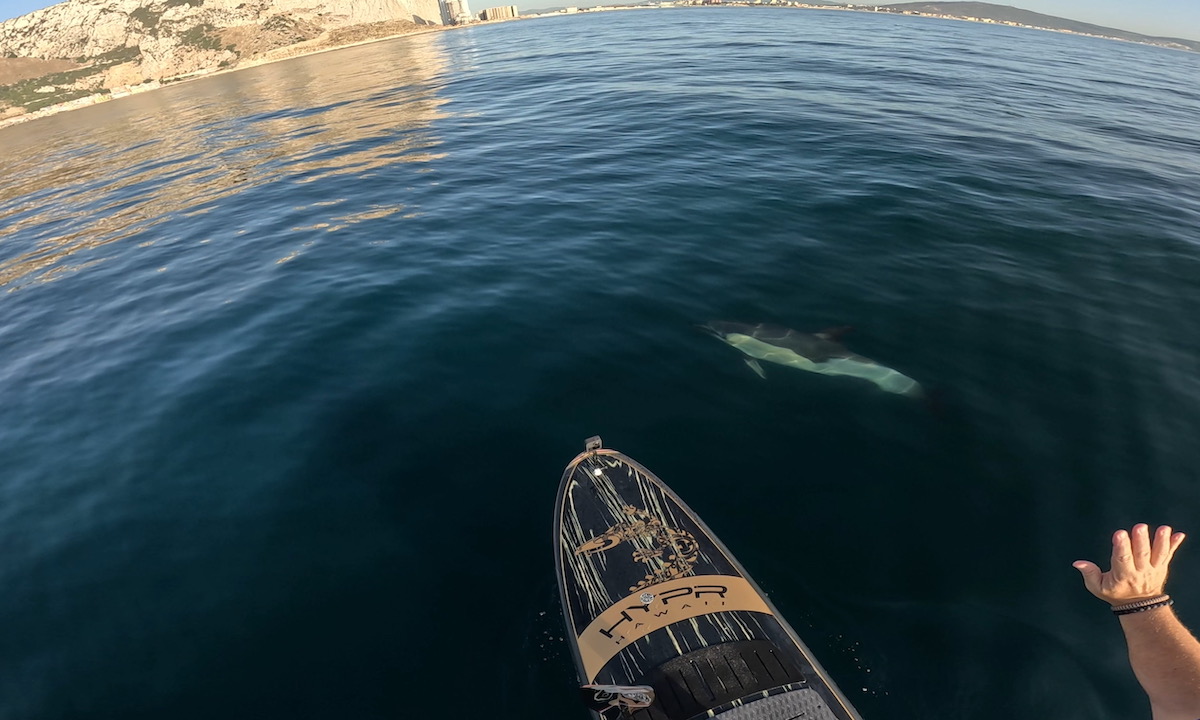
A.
pixel 291 359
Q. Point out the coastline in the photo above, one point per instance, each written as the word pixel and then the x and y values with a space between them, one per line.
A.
pixel 296 51
pixel 300 49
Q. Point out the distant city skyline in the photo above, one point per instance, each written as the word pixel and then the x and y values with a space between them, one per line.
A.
pixel 1166 18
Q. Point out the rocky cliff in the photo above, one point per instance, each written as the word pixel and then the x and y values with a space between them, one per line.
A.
pixel 116 43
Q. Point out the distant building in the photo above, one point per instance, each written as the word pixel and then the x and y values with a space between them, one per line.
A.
pixel 457 12
pixel 504 12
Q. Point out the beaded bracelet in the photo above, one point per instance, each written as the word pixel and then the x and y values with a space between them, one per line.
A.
pixel 1143 605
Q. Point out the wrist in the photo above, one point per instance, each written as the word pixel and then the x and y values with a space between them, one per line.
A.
pixel 1115 601
pixel 1142 605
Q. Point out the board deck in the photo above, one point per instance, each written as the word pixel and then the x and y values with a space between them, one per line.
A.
pixel 652 598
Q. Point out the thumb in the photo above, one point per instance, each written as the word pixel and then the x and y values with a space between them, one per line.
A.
pixel 1091 575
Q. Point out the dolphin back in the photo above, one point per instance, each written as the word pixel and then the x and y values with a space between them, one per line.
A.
pixel 885 377
pixel 814 348
pixel 817 353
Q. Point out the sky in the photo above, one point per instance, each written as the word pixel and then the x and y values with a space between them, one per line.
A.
pixel 1170 18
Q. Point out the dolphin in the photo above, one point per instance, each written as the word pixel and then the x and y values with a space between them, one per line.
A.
pixel 819 353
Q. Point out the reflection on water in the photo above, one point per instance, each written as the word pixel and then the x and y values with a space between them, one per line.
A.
pixel 224 445
pixel 175 153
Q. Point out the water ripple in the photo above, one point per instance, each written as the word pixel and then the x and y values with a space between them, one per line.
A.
pixel 261 331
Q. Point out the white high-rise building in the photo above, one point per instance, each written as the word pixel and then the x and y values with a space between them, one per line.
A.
pixel 504 12
pixel 458 12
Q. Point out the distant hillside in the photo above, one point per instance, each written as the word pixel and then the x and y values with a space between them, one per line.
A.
pixel 79 48
pixel 1017 16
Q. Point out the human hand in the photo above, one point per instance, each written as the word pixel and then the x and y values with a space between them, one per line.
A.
pixel 1139 567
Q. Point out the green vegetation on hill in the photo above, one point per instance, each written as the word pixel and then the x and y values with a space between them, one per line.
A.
pixel 150 18
pixel 118 56
pixel 112 57
pixel 24 94
pixel 201 36
pixel 147 17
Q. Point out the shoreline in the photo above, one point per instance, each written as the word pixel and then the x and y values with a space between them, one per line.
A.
pixel 100 98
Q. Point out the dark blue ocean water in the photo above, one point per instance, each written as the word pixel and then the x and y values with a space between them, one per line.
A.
pixel 291 359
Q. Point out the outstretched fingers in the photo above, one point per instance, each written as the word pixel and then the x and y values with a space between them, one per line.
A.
pixel 1140 539
pixel 1166 542
pixel 1139 564
pixel 1122 553
pixel 1160 551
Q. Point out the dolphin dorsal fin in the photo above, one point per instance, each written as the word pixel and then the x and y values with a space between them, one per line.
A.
pixel 834 334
